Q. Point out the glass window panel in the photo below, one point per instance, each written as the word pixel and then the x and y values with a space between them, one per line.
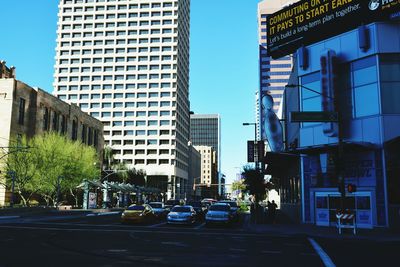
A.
pixel 366 94
pixel 365 76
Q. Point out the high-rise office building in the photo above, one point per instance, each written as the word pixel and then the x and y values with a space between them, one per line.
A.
pixel 274 73
pixel 126 63
pixel 205 130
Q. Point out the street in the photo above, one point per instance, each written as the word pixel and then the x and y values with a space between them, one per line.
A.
pixel 104 241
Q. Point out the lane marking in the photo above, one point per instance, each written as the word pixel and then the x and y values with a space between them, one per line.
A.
pixel 200 226
pixel 177 244
pixel 157 225
pixel 322 254
pixel 117 250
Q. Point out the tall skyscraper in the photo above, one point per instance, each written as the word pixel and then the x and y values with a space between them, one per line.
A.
pixel 126 63
pixel 274 73
pixel 205 130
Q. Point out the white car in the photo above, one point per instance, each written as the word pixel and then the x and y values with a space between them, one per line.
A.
pixel 181 215
pixel 219 213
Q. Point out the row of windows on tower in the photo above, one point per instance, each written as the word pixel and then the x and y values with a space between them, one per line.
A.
pixel 100 25
pixel 116 50
pixel 112 33
pixel 114 16
pixel 131 6
pixel 111 59
pixel 127 95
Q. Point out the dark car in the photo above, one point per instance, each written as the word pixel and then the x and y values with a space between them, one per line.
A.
pixel 199 207
pixel 169 204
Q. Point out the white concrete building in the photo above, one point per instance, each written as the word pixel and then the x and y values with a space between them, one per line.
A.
pixel 126 63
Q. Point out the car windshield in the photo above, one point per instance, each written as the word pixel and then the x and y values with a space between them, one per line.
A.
pixel 220 208
pixel 136 208
pixel 156 205
pixel 233 204
pixel 194 203
pixel 181 209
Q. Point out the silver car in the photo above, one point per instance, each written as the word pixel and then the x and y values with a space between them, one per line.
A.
pixel 181 215
pixel 219 213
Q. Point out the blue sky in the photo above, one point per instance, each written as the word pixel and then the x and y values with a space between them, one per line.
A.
pixel 223 61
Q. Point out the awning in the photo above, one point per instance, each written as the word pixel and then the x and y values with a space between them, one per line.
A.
pixel 347 146
pixel 281 164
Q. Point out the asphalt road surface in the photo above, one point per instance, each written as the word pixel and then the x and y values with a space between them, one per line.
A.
pixel 104 241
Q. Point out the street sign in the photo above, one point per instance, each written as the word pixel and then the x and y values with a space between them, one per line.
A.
pixel 250 151
pixel 314 116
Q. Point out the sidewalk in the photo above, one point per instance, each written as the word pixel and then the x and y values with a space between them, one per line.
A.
pixel 284 227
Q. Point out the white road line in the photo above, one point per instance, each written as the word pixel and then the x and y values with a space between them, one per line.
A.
pixel 322 254
pixel 157 225
pixel 200 226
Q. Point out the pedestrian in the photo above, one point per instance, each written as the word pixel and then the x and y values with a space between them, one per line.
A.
pixel 269 214
pixel 273 211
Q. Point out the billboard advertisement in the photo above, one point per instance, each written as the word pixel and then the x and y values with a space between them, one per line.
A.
pixel 310 21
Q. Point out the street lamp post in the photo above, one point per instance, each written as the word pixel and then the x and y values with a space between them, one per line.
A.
pixel 339 161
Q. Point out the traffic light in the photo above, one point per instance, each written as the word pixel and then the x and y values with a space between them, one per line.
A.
pixel 351 188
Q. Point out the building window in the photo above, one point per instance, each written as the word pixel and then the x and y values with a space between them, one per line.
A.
pixel 21 116
pixel 46 118
pixel 74 130
pixel 365 87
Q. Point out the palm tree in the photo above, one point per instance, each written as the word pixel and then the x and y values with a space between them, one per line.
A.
pixel 108 157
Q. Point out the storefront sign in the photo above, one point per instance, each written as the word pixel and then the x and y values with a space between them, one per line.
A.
pixel 310 21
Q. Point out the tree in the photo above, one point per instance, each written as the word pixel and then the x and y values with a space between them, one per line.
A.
pixel 239 186
pixel 108 157
pixel 18 167
pixel 62 163
pixel 255 183
pixel 136 177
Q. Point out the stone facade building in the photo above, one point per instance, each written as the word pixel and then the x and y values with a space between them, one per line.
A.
pixel 31 111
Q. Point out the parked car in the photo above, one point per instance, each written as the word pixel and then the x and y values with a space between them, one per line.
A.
pixel 200 208
pixel 159 209
pixel 169 204
pixel 219 213
pixel 181 215
pixel 138 214
pixel 234 208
